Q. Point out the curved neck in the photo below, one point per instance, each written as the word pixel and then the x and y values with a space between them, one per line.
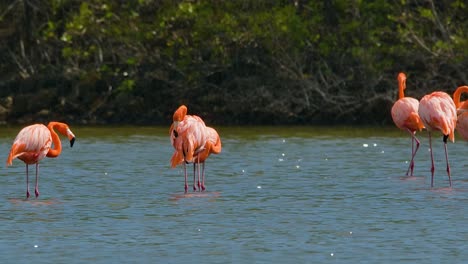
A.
pixel 457 95
pixel 54 152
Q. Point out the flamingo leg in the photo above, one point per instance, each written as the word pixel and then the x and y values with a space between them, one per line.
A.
pixel 410 167
pixel 185 175
pixel 203 177
pixel 432 160
pixel 446 159
pixel 199 183
pixel 194 178
pixel 27 182
pixel 36 189
pixel 413 152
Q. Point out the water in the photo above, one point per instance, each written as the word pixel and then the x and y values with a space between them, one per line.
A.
pixel 299 194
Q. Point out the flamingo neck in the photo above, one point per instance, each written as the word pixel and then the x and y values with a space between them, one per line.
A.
pixel 57 149
pixel 401 89
pixel 457 95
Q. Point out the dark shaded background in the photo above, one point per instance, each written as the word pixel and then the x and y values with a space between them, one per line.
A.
pixel 231 62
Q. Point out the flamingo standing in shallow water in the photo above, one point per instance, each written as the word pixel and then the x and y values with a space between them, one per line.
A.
pixel 212 146
pixel 438 112
pixel 462 112
pixel 188 137
pixel 34 142
pixel 405 116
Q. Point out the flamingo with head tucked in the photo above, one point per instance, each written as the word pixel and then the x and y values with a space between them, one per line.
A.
pixel 188 137
pixel 33 143
pixel 405 116
pixel 462 111
pixel 438 112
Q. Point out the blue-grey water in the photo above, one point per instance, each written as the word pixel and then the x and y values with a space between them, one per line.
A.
pixel 301 194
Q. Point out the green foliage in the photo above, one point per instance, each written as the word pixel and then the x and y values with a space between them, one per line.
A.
pixel 294 60
pixel 126 86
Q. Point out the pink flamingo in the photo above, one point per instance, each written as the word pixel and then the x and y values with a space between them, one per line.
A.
pixel 405 116
pixel 438 112
pixel 188 137
pixel 462 111
pixel 34 142
pixel 212 146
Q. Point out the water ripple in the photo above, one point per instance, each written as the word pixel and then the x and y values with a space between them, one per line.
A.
pixel 270 198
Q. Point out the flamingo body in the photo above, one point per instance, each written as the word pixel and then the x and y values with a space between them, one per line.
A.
pixel 191 139
pixel 212 145
pixel 34 142
pixel 31 144
pixel 438 112
pixel 462 112
pixel 405 114
pixel 462 125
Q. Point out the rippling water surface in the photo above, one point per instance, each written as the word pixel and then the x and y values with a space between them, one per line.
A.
pixel 299 194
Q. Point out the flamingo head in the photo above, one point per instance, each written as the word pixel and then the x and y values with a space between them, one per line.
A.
pixel 63 129
pixel 179 116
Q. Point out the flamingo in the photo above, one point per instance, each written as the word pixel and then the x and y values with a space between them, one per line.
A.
pixel 188 137
pixel 212 146
pixel 438 112
pixel 33 143
pixel 405 116
pixel 462 111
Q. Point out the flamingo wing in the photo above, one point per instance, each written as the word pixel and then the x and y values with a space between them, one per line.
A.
pixel 212 145
pixel 214 140
pixel 31 144
pixel 191 137
pixel 405 114
pixel 437 111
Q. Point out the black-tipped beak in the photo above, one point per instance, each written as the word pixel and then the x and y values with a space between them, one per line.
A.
pixel 72 141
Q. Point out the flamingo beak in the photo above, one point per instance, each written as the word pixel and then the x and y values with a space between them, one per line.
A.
pixel 71 137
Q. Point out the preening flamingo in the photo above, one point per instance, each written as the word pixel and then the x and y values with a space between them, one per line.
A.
pixel 188 137
pixel 462 111
pixel 34 142
pixel 405 116
pixel 438 112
